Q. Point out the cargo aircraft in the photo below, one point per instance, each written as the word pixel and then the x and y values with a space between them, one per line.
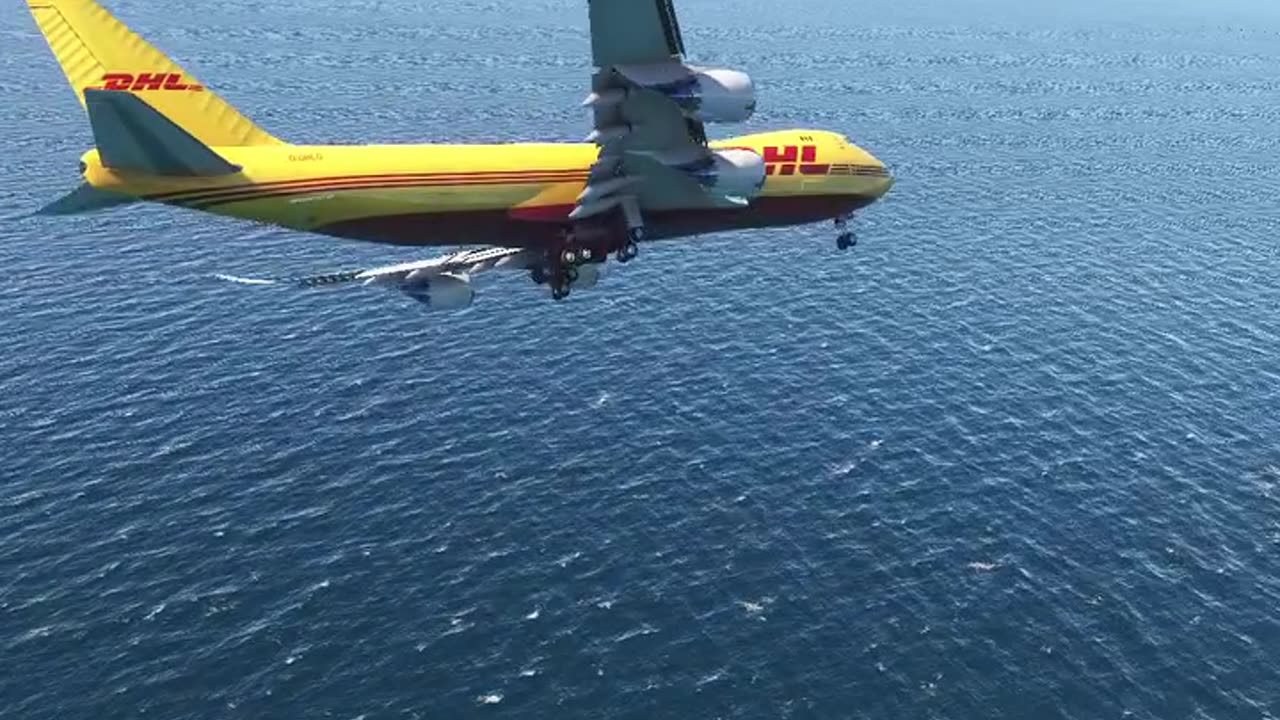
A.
pixel 555 211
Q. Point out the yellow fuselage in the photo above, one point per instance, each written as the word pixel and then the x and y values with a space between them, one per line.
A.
pixel 513 194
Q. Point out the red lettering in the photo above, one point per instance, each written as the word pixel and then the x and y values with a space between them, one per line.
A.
pixel 117 81
pixel 789 154
pixel 785 157
pixel 149 81
pixel 146 81
pixel 809 156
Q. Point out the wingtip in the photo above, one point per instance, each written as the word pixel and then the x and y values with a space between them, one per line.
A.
pixel 244 280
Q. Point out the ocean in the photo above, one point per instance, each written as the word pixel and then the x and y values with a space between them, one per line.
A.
pixel 1015 456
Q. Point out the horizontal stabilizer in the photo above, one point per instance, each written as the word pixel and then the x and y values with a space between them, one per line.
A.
pixel 133 137
pixel 83 199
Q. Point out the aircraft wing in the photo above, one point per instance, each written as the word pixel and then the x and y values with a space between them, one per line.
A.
pixel 634 32
pixel 443 282
pixel 464 263
pixel 648 143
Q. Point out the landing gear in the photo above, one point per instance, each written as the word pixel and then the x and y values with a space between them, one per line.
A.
pixel 631 248
pixel 559 268
pixel 562 282
pixel 572 256
pixel 580 246
pixel 636 232
pixel 846 239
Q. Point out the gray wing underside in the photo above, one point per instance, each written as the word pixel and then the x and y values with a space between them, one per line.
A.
pixel 631 32
pixel 643 36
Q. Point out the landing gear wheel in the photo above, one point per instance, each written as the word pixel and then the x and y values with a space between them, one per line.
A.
pixel 570 275
pixel 628 252
pixel 569 257
pixel 560 292
pixel 846 240
pixel 538 275
pixel 637 234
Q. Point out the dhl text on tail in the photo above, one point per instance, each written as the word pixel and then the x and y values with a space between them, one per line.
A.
pixel 557 211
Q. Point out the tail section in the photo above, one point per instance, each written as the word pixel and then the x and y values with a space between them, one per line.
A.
pixel 98 53
pixel 85 199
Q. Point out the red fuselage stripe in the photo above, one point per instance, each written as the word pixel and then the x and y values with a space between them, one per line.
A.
pixel 195 195
pixel 387 184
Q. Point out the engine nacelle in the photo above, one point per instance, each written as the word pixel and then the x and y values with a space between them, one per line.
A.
pixel 736 172
pixel 715 96
pixel 442 292
pixel 588 276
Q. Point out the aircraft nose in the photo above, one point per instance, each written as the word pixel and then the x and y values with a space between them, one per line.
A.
pixel 884 178
pixel 868 168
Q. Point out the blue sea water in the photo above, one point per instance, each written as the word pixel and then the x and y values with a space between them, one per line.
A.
pixel 1017 456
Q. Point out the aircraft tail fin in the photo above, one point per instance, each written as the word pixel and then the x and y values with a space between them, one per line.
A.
pixel 97 52
pixel 133 137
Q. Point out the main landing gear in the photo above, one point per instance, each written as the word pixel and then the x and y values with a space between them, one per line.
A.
pixel 631 247
pixel 590 243
pixel 564 266
pixel 846 239
pixel 560 264
pixel 636 232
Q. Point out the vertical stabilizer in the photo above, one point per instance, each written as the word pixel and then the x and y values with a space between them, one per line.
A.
pixel 97 52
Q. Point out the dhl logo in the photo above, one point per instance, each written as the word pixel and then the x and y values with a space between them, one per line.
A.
pixel 146 81
pixel 786 159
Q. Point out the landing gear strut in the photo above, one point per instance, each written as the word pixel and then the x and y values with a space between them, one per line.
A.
pixel 636 232
pixel 846 239
pixel 580 244
pixel 560 265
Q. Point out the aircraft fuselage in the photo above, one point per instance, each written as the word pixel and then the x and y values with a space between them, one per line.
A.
pixel 510 194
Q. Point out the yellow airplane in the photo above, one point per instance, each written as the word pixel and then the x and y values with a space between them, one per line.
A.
pixel 646 171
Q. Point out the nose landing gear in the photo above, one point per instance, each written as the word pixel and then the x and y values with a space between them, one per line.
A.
pixel 845 239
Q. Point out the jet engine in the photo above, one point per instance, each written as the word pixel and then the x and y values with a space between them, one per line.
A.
pixel 713 95
pixel 735 173
pixel 588 276
pixel 707 94
pixel 442 292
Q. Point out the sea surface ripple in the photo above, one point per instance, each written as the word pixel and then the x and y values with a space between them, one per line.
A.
pixel 1015 457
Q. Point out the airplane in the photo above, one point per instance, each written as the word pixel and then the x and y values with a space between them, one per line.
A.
pixel 555 211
